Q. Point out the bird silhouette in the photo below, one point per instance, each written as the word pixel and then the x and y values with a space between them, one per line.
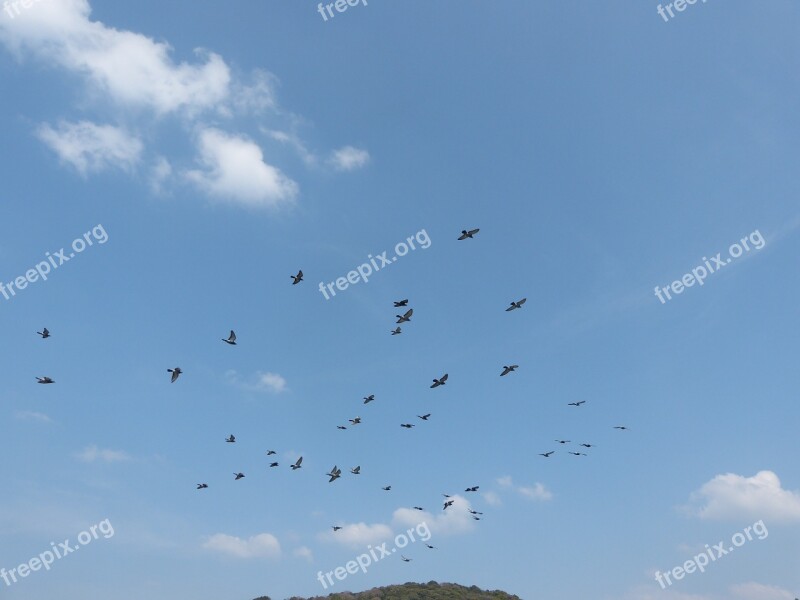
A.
pixel 563 441
pixel 44 380
pixel 297 278
pixel 202 486
pixel 356 470
pixel 368 399
pixel 44 333
pixel 401 303
pixel 516 305
pixel 406 425
pixel 231 339
pixel 441 381
pixel 621 427
pixel 509 369
pixel 396 331
pixel 231 439
pixel 271 452
pixel 468 235
pixel 238 476
pixel 577 403
pixel 335 473
pixel 424 417
pixel 176 372
pixel 406 318
pixel 336 528
pixel 274 464
pixel 547 454
pixel 355 421
pixel 472 489
pixel 388 488
pixel 298 464
pixel 405 559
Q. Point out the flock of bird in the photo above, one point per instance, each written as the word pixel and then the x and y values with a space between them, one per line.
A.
pixel 336 473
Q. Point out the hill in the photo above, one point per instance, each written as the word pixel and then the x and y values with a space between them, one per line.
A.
pixel 416 591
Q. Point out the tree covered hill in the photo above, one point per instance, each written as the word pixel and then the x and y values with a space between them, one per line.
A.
pixel 416 591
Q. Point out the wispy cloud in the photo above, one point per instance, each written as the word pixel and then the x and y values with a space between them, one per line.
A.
pixel 538 491
pixel 92 148
pixel 260 382
pixel 262 545
pixel 304 552
pixel 29 415
pixel 349 158
pixel 92 454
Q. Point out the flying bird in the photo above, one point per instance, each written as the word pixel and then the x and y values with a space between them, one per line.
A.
pixel 577 453
pixel 336 528
pixel 335 473
pixel 271 452
pixel 405 559
pixel 298 464
pixel 620 427
pixel 475 512
pixel 406 318
pixel 368 399
pixel 176 372
pixel 472 489
pixel 547 454
pixel 297 278
pixel 202 486
pixel 406 425
pixel 431 547
pixel 516 305
pixel 476 518
pixel 388 488
pixel 509 369
pixel 588 445
pixel 563 441
pixel 397 331
pixel 231 439
pixel 424 417
pixel 355 421
pixel 341 427
pixel 448 503
pixel 44 380
pixel 418 508
pixel 238 476
pixel 44 333
pixel 438 382
pixel 273 464
pixel 577 403
pixel 231 339
pixel 356 470
pixel 401 303
pixel 468 235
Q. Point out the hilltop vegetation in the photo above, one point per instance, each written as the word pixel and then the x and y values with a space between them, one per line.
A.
pixel 416 591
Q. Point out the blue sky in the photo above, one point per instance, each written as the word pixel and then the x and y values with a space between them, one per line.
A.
pixel 600 150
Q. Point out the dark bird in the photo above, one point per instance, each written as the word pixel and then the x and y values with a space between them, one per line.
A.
pixel 397 331
pixel 475 512
pixel 341 427
pixel 472 489
pixel 336 528
pixel 401 303
pixel 405 559
pixel 563 441
pixel 231 339
pixel 202 486
pixel 577 453
pixel 447 495
pixel 406 425
pixel 516 305
pixel 448 504
pixel 356 470
pixel 231 439
pixel 176 372
pixel 298 464
pixel 406 318
pixel 238 476
pixel 431 547
pixel 271 452
pixel 297 278
pixel 468 235
pixel 44 333
pixel 335 473
pixel 577 403
pixel 368 399
pixel 438 382
pixel 418 508
pixel 476 518
pixel 588 445
pixel 388 488
pixel 547 454
pixel 355 421
pixel 424 417
pixel 620 427
pixel 273 464
pixel 44 380
pixel 509 369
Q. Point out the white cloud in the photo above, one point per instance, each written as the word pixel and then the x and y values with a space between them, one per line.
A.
pixel 292 140
pixel 261 545
pixel 160 173
pixel 95 454
pixel 29 415
pixel 304 552
pixel 492 498
pixel 456 519
pixel 349 158
pixel 758 591
pixel 536 492
pixel 260 382
pixel 732 496
pixel 91 148
pixel 234 170
pixel 359 535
